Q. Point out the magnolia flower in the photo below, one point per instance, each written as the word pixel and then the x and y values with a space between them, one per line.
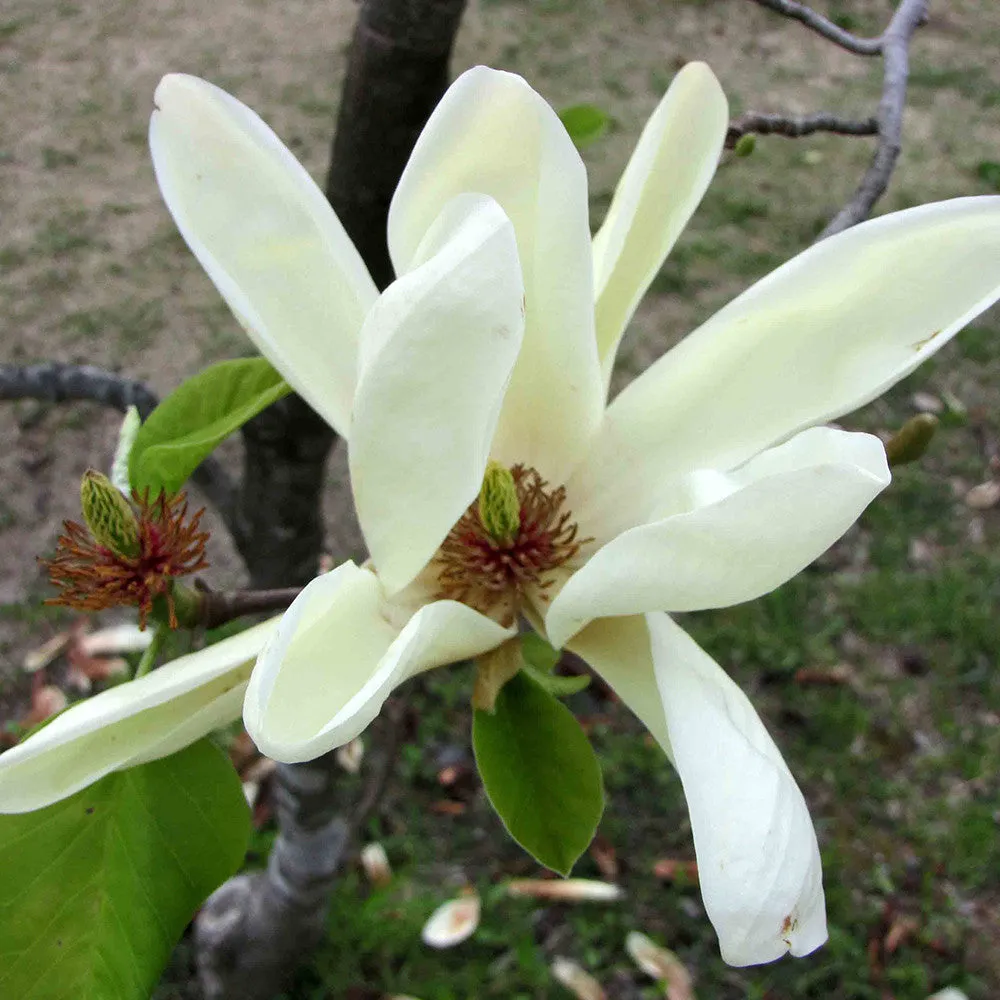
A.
pixel 704 484
pixel 491 479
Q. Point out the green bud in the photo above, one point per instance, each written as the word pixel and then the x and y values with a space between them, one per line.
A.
pixel 911 440
pixel 745 144
pixel 108 514
pixel 499 507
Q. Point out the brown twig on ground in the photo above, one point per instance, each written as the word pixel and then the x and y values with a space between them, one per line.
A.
pixel 825 27
pixel 793 126
pixel 896 55
pixel 58 382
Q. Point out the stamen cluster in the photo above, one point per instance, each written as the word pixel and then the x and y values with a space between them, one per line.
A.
pixel 493 575
pixel 93 577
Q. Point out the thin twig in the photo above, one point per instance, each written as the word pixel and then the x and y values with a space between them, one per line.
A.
pixel 59 382
pixel 792 126
pixel 216 607
pixel 825 27
pixel 895 50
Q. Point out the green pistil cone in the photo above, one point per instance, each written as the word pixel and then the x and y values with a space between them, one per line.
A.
pixel 109 516
pixel 499 507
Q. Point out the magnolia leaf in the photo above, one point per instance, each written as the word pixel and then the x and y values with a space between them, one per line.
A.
pixel 989 171
pixel 540 661
pixel 183 430
pixel 538 653
pixel 584 123
pixel 539 772
pixel 98 888
pixel 558 684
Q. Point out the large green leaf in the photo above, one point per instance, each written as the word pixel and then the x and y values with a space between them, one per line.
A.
pixel 585 123
pixel 540 773
pixel 540 662
pixel 196 416
pixel 96 890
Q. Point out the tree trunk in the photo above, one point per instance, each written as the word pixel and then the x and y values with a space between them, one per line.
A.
pixel 280 511
pixel 255 930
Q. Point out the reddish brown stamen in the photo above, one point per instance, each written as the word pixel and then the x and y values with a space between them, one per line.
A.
pixel 492 576
pixel 93 577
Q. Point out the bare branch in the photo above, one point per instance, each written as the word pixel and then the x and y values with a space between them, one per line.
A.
pixel 895 50
pixel 825 27
pixel 792 126
pixel 216 607
pixel 59 382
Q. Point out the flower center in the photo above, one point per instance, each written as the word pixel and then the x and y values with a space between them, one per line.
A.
pixel 491 558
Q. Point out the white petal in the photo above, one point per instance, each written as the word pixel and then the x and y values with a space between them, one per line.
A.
pixel 661 187
pixel 135 722
pixel 266 236
pixel 337 656
pixel 439 347
pixel 759 527
pixel 494 135
pixel 758 860
pixel 824 334
pixel 618 649
pixel 452 922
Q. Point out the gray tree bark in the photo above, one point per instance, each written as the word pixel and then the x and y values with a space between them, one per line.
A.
pixel 254 931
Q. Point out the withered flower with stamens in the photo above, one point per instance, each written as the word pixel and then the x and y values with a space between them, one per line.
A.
pixel 93 576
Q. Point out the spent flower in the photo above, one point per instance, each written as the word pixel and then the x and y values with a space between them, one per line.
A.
pixel 129 553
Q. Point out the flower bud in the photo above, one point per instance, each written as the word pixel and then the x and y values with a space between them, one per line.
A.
pixel 499 506
pixel 109 516
pixel 745 144
pixel 911 440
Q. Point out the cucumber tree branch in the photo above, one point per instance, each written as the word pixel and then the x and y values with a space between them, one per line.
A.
pixel 893 46
pixel 213 608
pixel 794 126
pixel 825 27
pixel 58 382
pixel 909 15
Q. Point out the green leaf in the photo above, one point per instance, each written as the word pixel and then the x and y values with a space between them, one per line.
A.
pixel 538 653
pixel 585 123
pixel 540 773
pixel 540 661
pixel 560 685
pixel 182 431
pixel 989 171
pixel 98 888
